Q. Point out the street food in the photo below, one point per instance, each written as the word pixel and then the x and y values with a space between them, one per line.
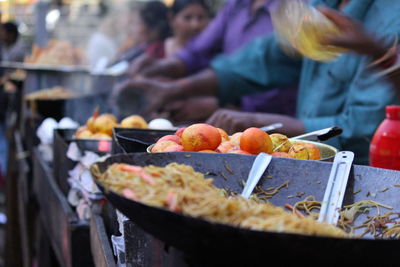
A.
pixel 17 75
pixel 104 123
pixel 201 136
pixel 280 142
pixel 206 138
pixel 381 225
pixel 303 150
pixel 55 93
pixel 179 188
pixel 255 141
pixel 134 121
pixel 100 126
pixel 56 53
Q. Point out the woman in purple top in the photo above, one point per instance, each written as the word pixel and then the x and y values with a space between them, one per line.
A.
pixel 236 24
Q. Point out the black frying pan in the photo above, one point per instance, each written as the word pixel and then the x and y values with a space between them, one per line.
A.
pixel 224 245
pixel 101 146
pixel 138 140
pixel 141 140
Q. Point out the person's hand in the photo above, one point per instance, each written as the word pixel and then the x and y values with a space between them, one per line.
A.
pixel 139 64
pixel 235 121
pixel 194 109
pixel 116 91
pixel 352 35
pixel 232 121
pixel 157 93
pixel 171 67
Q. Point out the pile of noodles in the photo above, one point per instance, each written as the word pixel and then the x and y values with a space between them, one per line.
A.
pixel 179 188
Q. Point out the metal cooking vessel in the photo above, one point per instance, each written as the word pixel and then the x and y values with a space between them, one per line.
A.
pixel 214 244
pixel 327 152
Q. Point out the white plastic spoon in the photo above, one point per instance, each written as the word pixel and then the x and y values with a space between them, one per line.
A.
pixel 260 164
pixel 336 187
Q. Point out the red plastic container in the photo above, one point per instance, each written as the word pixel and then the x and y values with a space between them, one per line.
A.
pixel 385 145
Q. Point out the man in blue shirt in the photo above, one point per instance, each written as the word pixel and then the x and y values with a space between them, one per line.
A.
pixel 345 92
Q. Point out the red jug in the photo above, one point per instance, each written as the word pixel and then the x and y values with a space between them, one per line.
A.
pixel 385 145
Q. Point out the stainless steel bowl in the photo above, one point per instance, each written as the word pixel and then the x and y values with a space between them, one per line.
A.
pixel 327 152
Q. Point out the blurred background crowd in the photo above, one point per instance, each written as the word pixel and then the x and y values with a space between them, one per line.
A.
pixel 234 64
pixel 219 61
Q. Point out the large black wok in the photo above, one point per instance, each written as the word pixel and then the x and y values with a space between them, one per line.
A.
pixel 136 140
pixel 142 140
pixel 212 244
pixel 100 146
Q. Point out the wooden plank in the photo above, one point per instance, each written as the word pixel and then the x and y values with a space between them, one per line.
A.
pixel 12 242
pixel 69 236
pixel 55 214
pixel 100 243
pixel 23 207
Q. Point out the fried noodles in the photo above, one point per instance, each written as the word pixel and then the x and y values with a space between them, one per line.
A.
pixel 379 226
pixel 180 189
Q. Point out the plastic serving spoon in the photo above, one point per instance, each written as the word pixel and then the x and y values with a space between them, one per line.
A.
pixel 336 187
pixel 259 166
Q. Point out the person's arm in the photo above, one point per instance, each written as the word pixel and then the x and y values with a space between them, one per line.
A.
pixel 197 53
pixel 258 66
pixel 160 93
pixel 236 121
pixel 171 67
pixel 191 110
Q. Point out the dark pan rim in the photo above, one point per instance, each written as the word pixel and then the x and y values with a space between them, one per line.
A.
pixel 120 134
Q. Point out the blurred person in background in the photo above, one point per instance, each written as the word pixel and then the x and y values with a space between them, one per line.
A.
pixel 187 19
pixel 344 93
pixel 102 45
pixel 149 29
pixel 108 44
pixel 12 46
pixel 12 49
pixel 184 20
pixel 145 25
pixel 236 24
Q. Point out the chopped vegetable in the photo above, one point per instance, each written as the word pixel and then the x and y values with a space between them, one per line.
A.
pixel 130 168
pixel 128 193
pixel 294 210
pixel 146 177
pixel 172 201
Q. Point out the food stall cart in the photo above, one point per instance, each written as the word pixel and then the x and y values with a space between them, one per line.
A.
pixel 36 205
pixel 61 214
pixel 110 237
